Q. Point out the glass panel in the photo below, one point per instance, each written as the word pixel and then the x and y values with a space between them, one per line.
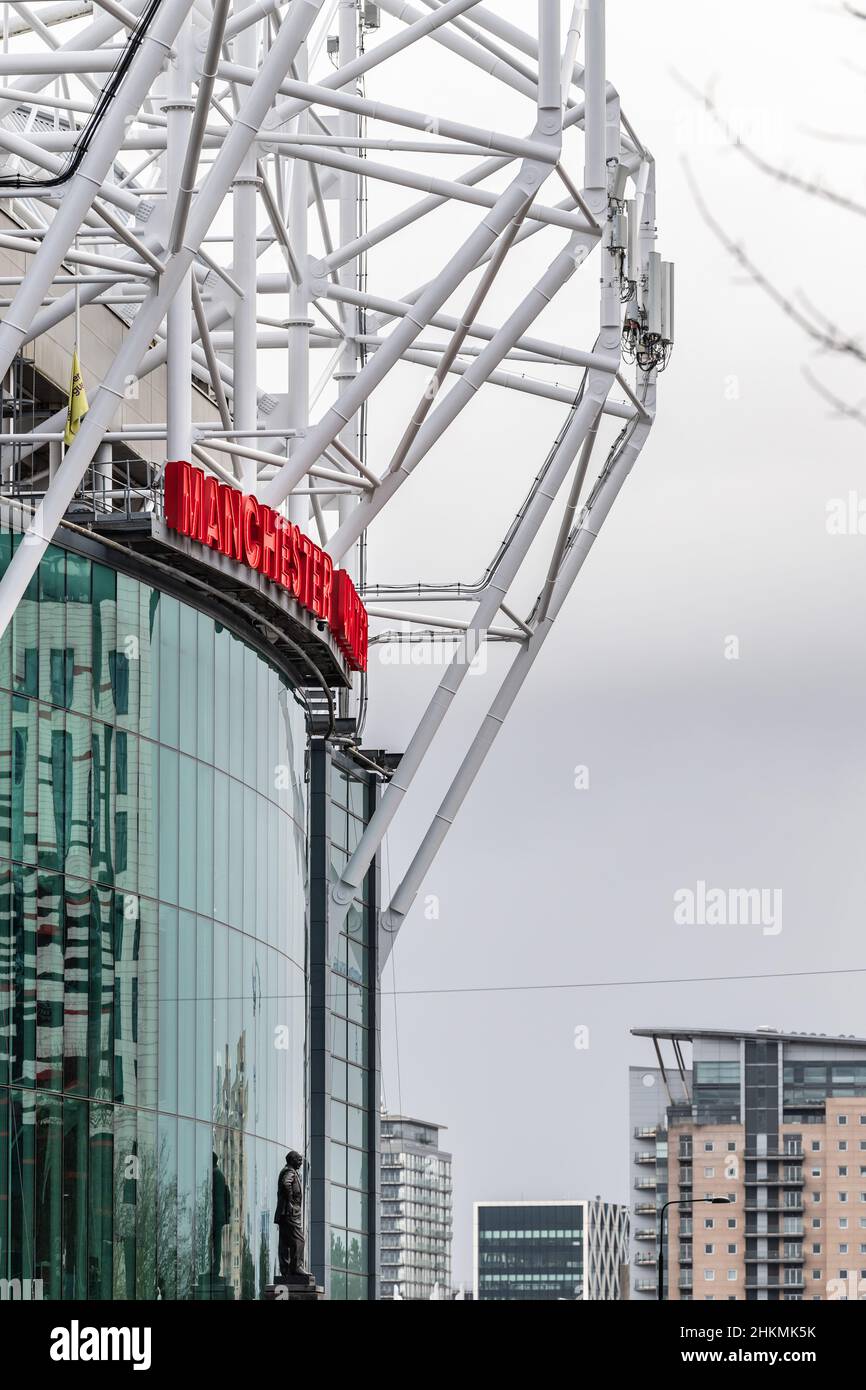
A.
pixel 103 639
pixel 74 1187
pixel 338 1121
pixel 127 1170
pixel 186 1012
pixel 100 1042
pixel 188 679
pixel 186 1203
pixel 166 1197
pixel 338 1163
pixel 356 1169
pixel 337 1207
pixel 168 825
pixel 187 839
pixel 49 983
pixel 146 1213
pixel 204 873
pixel 169 670
pixel 22 1181
pixel 79 632
pixel 168 991
pixel 49 1195
pixel 130 665
pixel 205 700
pixel 356 1210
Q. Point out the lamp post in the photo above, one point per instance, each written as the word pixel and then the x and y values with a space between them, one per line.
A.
pixel 678 1202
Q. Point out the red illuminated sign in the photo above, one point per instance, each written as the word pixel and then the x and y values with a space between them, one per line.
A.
pixel 244 529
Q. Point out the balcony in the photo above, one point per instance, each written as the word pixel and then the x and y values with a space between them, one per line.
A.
pixel 776 1208
pixel 789 1155
pixel 679 1114
pixel 784 1285
pixel 702 1115
pixel 788 1178
pixel 647 1131
pixel 645 1285
pixel 646 1257
pixel 777 1259
pixel 645 1158
pixel 644 1208
pixel 645 1233
pixel 645 1185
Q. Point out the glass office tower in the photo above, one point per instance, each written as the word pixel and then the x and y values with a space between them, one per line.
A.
pixel 154 946
pixel 549 1251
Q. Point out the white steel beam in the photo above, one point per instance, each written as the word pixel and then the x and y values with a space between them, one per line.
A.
pixel 238 140
pixel 619 466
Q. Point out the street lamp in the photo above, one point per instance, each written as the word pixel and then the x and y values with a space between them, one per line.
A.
pixel 679 1202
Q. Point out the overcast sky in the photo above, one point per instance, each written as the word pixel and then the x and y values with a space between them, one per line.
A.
pixel 747 773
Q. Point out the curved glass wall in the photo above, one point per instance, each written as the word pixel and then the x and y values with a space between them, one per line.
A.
pixel 153 857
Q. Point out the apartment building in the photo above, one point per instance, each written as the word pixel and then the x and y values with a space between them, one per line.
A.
pixel 416 1197
pixel 749 1156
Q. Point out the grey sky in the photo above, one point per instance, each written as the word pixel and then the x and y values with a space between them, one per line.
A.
pixel 745 773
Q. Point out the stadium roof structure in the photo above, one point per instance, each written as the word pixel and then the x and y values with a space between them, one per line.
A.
pixel 134 132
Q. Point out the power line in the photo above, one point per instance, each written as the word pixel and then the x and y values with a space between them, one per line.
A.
pixel 617 984
pixel 521 989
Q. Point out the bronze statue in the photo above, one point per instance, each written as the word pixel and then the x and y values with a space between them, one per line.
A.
pixel 289 1216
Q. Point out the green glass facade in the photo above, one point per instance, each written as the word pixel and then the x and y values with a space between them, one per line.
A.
pixel 153 942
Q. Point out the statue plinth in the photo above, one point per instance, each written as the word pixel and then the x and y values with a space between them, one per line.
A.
pixel 294 1288
pixel 213 1288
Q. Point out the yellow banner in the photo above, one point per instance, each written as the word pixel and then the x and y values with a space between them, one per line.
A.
pixel 77 407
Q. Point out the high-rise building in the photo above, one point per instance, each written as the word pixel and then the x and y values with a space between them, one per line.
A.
pixel 549 1250
pixel 416 1221
pixel 773 1123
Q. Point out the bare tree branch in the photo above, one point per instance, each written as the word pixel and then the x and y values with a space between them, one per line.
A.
pixel 835 136
pixel 814 190
pixel 850 412
pixel 830 337
pixel 821 317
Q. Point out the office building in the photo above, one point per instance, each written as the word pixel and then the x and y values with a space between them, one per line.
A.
pixel 774 1123
pixel 542 1251
pixel 416 1222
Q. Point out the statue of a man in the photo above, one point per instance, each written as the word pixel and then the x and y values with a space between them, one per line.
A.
pixel 289 1216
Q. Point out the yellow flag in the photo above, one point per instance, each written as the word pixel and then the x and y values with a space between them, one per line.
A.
pixel 77 408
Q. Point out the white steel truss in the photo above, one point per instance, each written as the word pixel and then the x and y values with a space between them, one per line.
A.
pixel 152 152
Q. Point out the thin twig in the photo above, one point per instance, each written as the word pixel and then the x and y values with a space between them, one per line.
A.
pixel 808 186
pixel 831 338
pixel 850 412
